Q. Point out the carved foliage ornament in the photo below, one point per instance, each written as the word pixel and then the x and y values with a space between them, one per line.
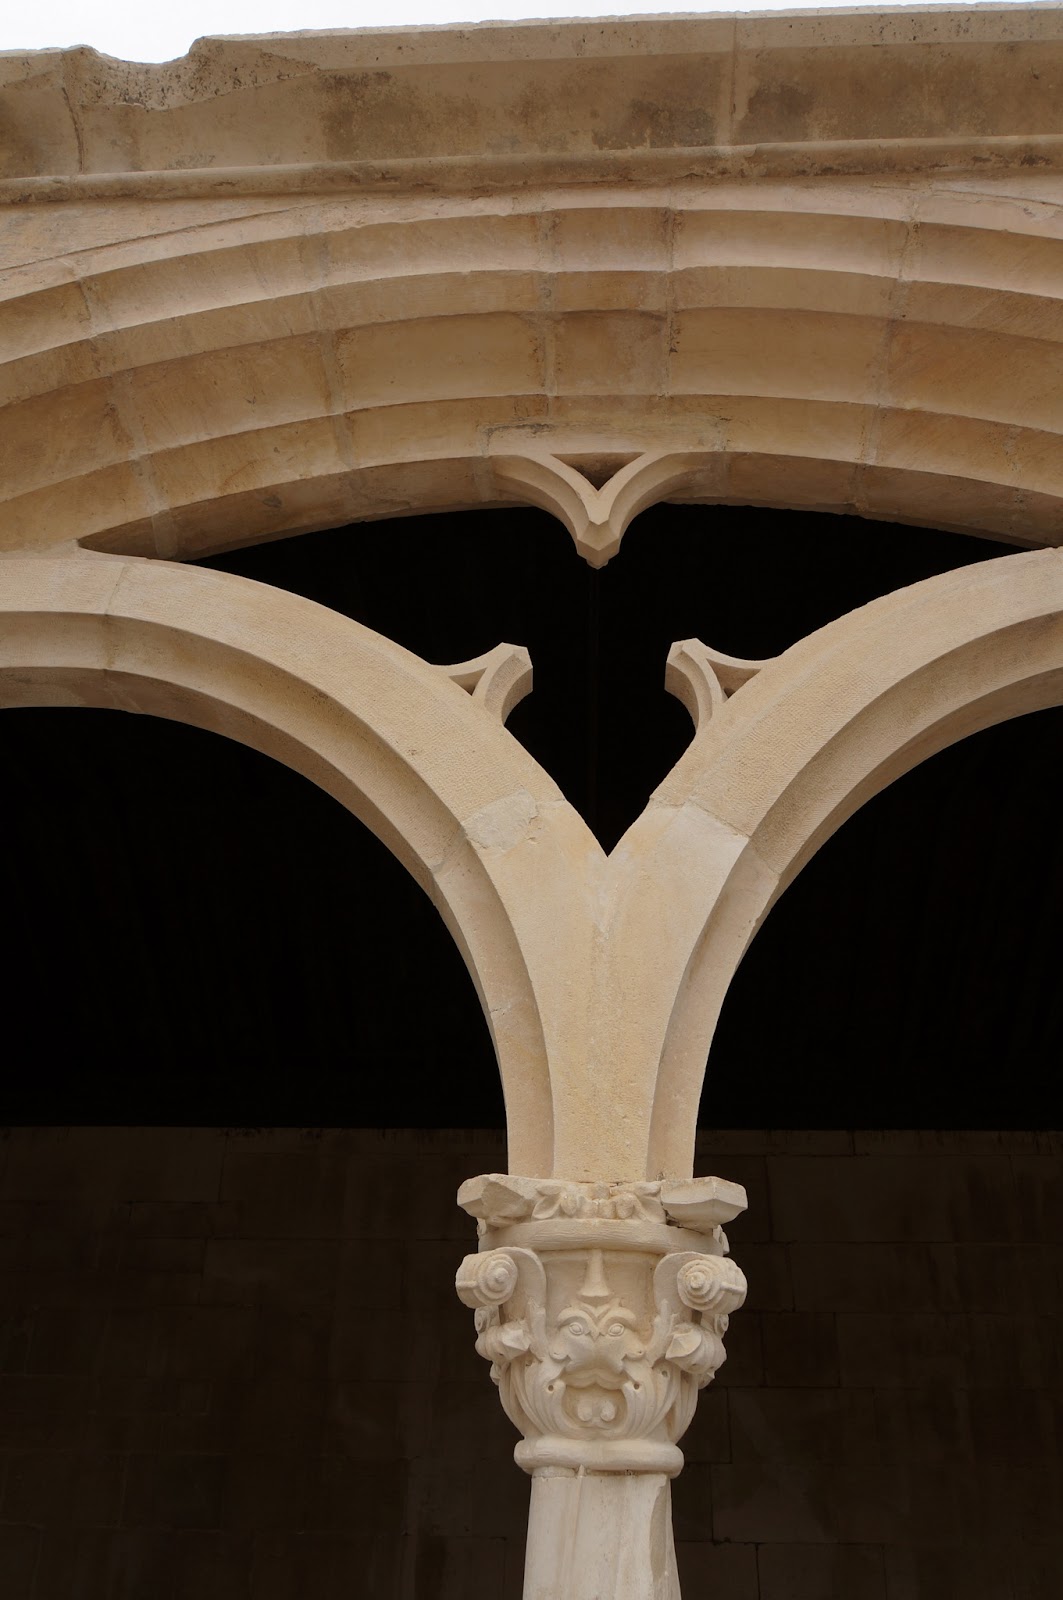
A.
pixel 600 1337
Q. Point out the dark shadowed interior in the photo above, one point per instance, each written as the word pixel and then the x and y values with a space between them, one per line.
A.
pixel 233 948
pixel 232 1363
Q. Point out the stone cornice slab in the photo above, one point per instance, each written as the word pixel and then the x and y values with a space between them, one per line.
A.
pixel 807 93
pixel 464 175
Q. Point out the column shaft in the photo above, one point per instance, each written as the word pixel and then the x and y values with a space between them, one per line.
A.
pixel 600 1536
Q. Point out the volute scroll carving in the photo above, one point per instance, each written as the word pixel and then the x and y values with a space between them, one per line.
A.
pixel 599 1333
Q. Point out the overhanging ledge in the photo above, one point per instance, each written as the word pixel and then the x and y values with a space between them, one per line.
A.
pixel 811 260
pixel 788 93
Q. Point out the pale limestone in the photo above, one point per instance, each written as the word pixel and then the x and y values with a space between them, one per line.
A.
pixel 298 281
pixel 246 314
pixel 602 1309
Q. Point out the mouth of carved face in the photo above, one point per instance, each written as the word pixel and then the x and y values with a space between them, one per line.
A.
pixel 596 1377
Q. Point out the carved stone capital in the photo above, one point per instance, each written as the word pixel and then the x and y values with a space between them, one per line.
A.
pixel 602 1310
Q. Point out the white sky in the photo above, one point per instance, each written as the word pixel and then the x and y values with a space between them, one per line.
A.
pixel 150 30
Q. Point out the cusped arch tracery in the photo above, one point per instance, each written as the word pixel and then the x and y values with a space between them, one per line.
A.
pixel 892 350
pixel 602 977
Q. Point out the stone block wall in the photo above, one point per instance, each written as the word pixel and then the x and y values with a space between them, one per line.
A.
pixel 232 1365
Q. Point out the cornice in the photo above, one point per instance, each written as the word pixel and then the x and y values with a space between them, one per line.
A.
pixel 897 158
pixel 810 93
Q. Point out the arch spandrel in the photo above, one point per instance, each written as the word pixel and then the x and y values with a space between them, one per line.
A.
pixel 793 753
pixel 807 261
pixel 715 298
pixel 601 978
pixel 404 747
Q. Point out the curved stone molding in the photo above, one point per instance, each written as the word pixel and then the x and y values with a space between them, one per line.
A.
pixel 456 799
pixel 233 365
pixel 498 680
pixel 702 679
pixel 602 1051
pixel 630 270
pixel 813 736
pixel 255 369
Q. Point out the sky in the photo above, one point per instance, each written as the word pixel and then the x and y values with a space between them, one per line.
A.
pixel 139 30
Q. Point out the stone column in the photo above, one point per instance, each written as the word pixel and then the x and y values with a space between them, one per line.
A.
pixel 601 1308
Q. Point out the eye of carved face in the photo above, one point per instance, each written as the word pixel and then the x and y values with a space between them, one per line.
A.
pixel 577 1326
pixel 615 1330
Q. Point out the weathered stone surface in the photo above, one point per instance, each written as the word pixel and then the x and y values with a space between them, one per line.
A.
pixel 294 281
pixel 302 281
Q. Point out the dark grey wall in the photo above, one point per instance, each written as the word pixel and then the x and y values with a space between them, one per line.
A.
pixel 232 1365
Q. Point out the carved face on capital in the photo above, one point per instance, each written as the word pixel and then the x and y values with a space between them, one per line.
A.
pixel 594 1344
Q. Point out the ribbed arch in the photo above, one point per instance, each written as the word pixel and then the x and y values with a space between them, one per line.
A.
pixel 893 352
